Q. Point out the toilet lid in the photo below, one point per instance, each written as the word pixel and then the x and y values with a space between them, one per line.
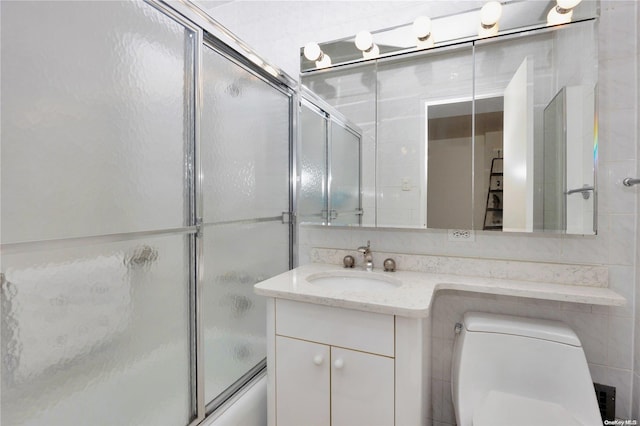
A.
pixel 504 409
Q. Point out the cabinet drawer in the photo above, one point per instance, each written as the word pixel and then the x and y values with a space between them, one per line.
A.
pixel 347 328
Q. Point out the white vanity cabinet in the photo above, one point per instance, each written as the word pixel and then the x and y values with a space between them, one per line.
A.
pixel 361 388
pixel 321 385
pixel 303 382
pixel 344 367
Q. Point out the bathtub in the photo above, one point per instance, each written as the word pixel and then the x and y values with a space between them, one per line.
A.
pixel 248 408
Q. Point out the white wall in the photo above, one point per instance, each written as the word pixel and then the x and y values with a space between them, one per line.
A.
pixel 277 31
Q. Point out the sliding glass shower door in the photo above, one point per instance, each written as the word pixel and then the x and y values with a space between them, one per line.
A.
pixel 145 187
pixel 244 155
pixel 96 236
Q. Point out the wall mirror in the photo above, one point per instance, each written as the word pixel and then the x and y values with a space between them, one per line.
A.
pixel 492 134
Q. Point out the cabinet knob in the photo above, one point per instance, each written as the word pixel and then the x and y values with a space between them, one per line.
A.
pixel 339 363
pixel 317 360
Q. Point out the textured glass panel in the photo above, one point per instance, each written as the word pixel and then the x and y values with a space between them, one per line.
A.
pixel 404 89
pixel 345 175
pixel 353 93
pixel 92 119
pixel 237 257
pixel 245 143
pixel 97 335
pixel 313 166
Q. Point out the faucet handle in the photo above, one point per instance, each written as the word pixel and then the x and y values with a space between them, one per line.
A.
pixel 389 265
pixel 348 261
pixel 367 249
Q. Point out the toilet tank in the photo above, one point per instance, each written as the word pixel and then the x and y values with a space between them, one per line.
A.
pixel 530 358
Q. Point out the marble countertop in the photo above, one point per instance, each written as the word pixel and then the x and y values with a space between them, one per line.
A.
pixel 414 296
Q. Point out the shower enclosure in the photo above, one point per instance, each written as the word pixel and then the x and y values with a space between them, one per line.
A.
pixel 145 187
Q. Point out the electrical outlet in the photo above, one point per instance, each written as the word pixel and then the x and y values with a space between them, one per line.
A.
pixel 461 235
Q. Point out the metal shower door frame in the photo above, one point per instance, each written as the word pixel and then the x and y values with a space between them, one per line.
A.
pixel 206 33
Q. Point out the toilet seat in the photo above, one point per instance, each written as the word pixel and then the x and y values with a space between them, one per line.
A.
pixel 504 409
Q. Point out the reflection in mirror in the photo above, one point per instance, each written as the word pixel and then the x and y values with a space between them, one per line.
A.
pixel 553 215
pixel 329 153
pixel 344 175
pixel 461 137
pixel 568 187
pixel 529 71
pixel 462 174
pixel 404 88
pixel 312 165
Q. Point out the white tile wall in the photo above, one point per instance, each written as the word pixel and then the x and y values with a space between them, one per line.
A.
pixel 277 30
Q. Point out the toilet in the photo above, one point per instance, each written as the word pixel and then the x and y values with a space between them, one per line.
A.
pixel 508 370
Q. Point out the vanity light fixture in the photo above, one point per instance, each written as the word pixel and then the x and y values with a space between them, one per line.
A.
pixel 489 16
pixel 313 52
pixel 324 62
pixel 422 31
pixel 562 12
pixel 364 42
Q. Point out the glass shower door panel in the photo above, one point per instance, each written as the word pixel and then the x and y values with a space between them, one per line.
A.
pixel 245 137
pixel 344 190
pixel 245 184
pixel 312 199
pixel 93 119
pixel 97 334
pixel 238 256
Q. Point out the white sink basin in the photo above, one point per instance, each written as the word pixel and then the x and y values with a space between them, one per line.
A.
pixel 355 281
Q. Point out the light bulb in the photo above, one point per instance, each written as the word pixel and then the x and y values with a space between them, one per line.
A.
pixel 324 62
pixel 373 52
pixel 490 13
pixel 312 51
pixel 487 31
pixel 364 40
pixel 568 4
pixel 554 17
pixel 422 27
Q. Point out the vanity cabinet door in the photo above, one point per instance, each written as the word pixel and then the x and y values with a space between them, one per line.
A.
pixel 302 383
pixel 362 388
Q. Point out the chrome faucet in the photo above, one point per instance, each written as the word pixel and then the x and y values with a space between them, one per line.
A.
pixel 368 257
